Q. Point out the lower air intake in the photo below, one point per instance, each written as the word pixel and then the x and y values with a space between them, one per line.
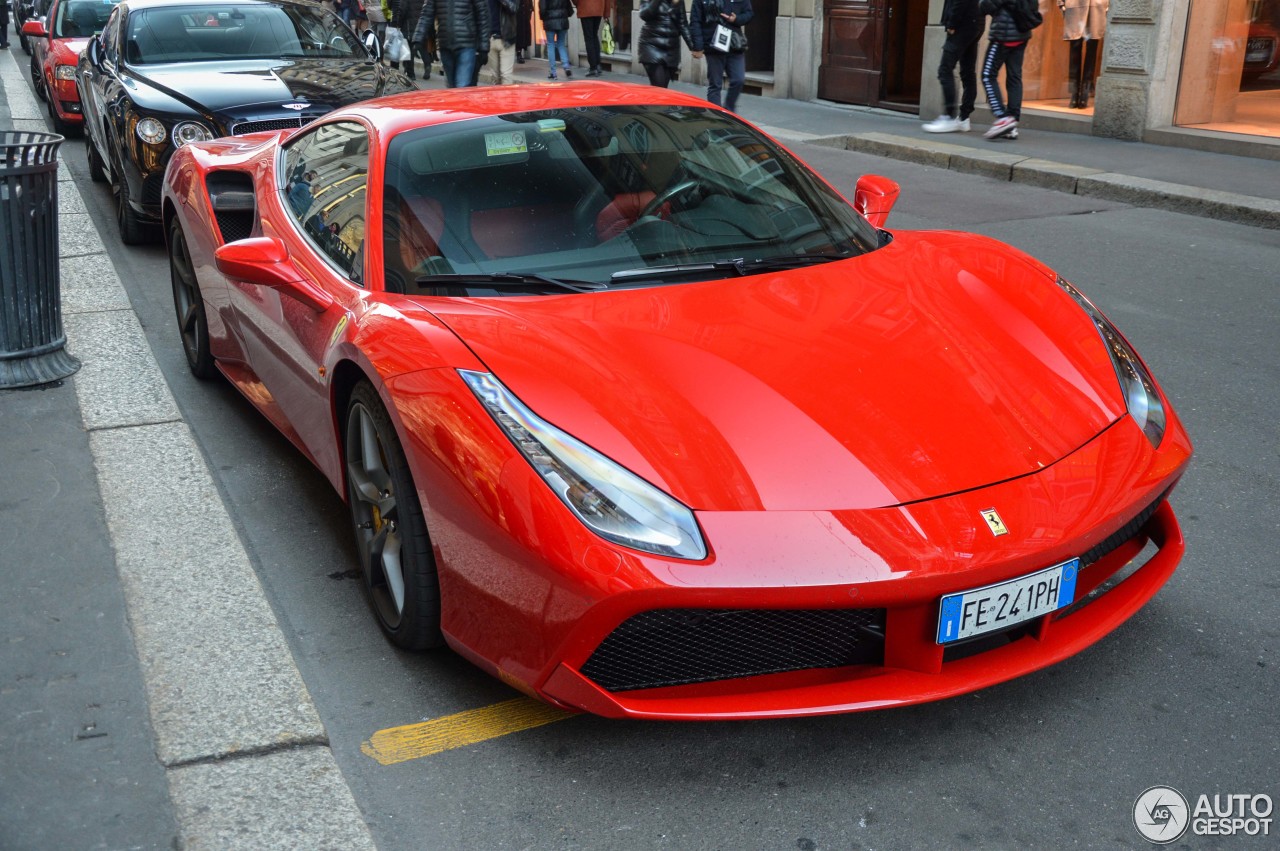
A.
pixel 669 647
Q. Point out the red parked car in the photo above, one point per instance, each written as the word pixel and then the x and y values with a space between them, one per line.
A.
pixel 56 41
pixel 633 410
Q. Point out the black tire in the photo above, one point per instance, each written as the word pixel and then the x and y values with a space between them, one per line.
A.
pixel 391 533
pixel 97 173
pixel 133 231
pixel 188 305
pixel 37 80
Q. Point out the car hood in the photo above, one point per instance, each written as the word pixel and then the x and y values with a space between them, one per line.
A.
pixel 256 88
pixel 937 364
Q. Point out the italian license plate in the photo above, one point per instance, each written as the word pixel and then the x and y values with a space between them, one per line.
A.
pixel 994 607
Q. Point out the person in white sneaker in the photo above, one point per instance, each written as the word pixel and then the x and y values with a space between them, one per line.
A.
pixel 1007 40
pixel 964 24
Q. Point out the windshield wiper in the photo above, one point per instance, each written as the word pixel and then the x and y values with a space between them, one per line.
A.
pixel 739 266
pixel 788 261
pixel 508 279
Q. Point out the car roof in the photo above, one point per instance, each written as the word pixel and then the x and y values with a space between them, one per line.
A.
pixel 396 113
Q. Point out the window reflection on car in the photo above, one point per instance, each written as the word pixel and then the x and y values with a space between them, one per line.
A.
pixel 220 32
pixel 621 195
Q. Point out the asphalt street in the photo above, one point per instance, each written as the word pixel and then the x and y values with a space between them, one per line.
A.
pixel 1183 695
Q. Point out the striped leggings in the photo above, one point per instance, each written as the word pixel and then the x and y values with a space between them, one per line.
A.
pixel 1010 58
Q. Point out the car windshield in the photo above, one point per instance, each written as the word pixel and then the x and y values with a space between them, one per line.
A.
pixel 218 32
pixel 82 18
pixel 613 195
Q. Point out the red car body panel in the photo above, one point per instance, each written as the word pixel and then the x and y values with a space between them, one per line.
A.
pixel 919 385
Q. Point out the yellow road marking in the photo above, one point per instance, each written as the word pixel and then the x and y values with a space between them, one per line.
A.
pixel 413 741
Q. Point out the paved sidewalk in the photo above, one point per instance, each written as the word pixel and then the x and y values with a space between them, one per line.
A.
pixel 149 698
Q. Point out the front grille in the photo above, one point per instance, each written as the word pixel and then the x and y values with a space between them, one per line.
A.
pixel 669 647
pixel 271 124
pixel 153 188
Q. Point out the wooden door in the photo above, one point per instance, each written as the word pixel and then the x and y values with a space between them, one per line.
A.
pixel 852 51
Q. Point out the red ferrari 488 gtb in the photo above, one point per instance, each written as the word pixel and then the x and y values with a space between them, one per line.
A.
pixel 636 412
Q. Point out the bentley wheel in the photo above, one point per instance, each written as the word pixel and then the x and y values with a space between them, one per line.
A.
pixel 188 304
pixel 391 534
pixel 97 173
pixel 132 230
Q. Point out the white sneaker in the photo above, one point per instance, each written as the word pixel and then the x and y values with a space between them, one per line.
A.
pixel 945 124
pixel 1004 124
pixel 964 125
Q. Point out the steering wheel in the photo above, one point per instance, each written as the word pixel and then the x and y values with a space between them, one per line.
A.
pixel 673 191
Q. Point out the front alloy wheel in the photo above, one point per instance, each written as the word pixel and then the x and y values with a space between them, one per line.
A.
pixel 391 534
pixel 188 304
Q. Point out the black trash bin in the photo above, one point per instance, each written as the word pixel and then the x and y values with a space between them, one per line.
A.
pixel 32 344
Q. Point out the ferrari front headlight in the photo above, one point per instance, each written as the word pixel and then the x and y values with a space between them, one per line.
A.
pixel 64 72
pixel 190 131
pixel 1139 388
pixel 151 131
pixel 612 501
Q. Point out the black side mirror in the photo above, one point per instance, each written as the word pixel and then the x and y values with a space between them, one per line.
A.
pixel 94 52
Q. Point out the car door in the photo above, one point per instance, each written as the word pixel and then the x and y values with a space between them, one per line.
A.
pixel 319 212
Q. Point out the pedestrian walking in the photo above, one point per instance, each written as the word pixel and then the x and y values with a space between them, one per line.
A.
pixel 1007 39
pixel 524 30
pixel 725 50
pixel 964 23
pixel 462 34
pixel 665 24
pixel 405 15
pixel 4 24
pixel 590 13
pixel 555 21
pixel 377 13
pixel 502 40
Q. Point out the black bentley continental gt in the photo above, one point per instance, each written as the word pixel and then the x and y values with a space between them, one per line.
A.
pixel 167 72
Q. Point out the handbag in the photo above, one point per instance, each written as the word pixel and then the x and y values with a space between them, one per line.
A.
pixel 728 40
pixel 607 43
pixel 396 48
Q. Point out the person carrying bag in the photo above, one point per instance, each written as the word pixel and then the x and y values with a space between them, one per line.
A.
pixel 716 27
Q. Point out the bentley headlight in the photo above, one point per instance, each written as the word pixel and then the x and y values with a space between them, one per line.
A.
pixel 65 72
pixel 1140 393
pixel 613 502
pixel 190 131
pixel 151 131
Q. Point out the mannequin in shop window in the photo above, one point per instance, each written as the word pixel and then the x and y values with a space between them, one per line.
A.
pixel 1084 22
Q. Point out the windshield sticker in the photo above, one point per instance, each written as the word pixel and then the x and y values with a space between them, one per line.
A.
pixel 505 143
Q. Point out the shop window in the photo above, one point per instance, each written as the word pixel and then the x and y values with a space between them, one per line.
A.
pixel 1060 70
pixel 1231 67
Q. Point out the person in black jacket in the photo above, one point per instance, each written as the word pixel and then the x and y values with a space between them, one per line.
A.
pixel 664 26
pixel 555 16
pixel 404 15
pixel 964 24
pixel 1006 44
pixel 704 17
pixel 462 35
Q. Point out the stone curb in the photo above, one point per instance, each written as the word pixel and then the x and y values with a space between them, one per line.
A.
pixel 1064 177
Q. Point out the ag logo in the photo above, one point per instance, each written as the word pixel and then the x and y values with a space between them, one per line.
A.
pixel 1161 815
